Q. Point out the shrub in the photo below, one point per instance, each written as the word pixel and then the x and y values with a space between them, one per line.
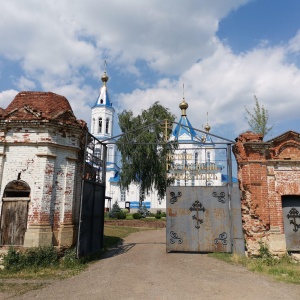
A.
pixel 143 211
pixel 115 209
pixel 120 215
pixel 36 257
pixel 163 214
pixel 157 216
pixel 137 215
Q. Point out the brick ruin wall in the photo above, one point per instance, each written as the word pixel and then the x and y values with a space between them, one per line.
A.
pixel 266 172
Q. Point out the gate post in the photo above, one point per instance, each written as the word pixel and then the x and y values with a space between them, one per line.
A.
pixel 235 210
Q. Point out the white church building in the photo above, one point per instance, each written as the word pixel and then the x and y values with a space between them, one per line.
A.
pixel 195 162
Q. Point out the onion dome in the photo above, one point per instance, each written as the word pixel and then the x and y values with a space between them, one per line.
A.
pixel 183 106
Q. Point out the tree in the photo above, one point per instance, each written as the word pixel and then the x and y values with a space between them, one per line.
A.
pixel 115 210
pixel 145 149
pixel 258 119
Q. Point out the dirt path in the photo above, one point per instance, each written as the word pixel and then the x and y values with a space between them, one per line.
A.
pixel 141 269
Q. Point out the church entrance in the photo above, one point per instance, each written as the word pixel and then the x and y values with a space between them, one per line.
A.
pixel 14 213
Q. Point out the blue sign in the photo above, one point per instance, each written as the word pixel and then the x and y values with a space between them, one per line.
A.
pixel 136 204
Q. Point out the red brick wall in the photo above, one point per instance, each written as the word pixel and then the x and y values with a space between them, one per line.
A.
pixel 266 172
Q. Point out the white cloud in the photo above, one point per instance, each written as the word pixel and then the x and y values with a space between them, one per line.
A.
pixel 58 38
pixel 224 83
pixel 60 44
pixel 6 97
pixel 25 84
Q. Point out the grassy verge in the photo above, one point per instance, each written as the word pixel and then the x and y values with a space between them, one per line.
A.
pixel 283 269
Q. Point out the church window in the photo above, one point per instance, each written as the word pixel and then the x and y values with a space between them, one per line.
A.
pixel 208 156
pixel 184 159
pixel 100 125
pixel 107 125
pixel 93 125
pixel 196 158
pixel 178 182
pixel 123 195
pixel 193 180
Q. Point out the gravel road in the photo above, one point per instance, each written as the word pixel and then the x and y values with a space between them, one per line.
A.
pixel 141 269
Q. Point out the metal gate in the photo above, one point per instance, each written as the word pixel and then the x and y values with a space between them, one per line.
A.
pixel 204 219
pixel 291 221
pixel 91 219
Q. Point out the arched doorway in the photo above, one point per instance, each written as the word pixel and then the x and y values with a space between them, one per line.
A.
pixel 14 213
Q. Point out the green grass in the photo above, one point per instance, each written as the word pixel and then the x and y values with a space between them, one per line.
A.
pixel 283 269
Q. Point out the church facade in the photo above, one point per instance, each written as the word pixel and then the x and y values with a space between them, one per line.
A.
pixel 195 162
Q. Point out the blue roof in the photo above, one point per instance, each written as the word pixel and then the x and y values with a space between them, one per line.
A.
pixel 103 98
pixel 116 178
pixel 184 127
pixel 225 179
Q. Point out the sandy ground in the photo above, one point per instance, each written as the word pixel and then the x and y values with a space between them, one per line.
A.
pixel 141 269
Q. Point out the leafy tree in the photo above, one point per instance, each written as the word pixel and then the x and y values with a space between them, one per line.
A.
pixel 145 149
pixel 258 119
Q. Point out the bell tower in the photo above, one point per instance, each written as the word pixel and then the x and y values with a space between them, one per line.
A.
pixel 102 119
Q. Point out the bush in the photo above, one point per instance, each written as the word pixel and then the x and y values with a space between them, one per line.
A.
pixel 137 216
pixel 163 214
pixel 36 257
pixel 115 209
pixel 120 215
pixel 144 211
pixel 157 216
pixel 69 258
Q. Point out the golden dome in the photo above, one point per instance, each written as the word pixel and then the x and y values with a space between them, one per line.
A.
pixel 207 127
pixel 104 78
pixel 183 106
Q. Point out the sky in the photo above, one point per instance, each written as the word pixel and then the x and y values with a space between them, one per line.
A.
pixel 223 51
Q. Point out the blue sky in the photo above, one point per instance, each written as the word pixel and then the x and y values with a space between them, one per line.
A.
pixel 224 52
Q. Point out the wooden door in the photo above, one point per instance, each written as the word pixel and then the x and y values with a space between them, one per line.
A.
pixel 13 222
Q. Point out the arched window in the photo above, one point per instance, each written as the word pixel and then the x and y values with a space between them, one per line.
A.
pixel 93 125
pixel 100 125
pixel 107 125
pixel 196 158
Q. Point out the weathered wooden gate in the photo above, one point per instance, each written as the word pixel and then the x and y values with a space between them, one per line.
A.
pixel 204 219
pixel 291 221
pixel 91 220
